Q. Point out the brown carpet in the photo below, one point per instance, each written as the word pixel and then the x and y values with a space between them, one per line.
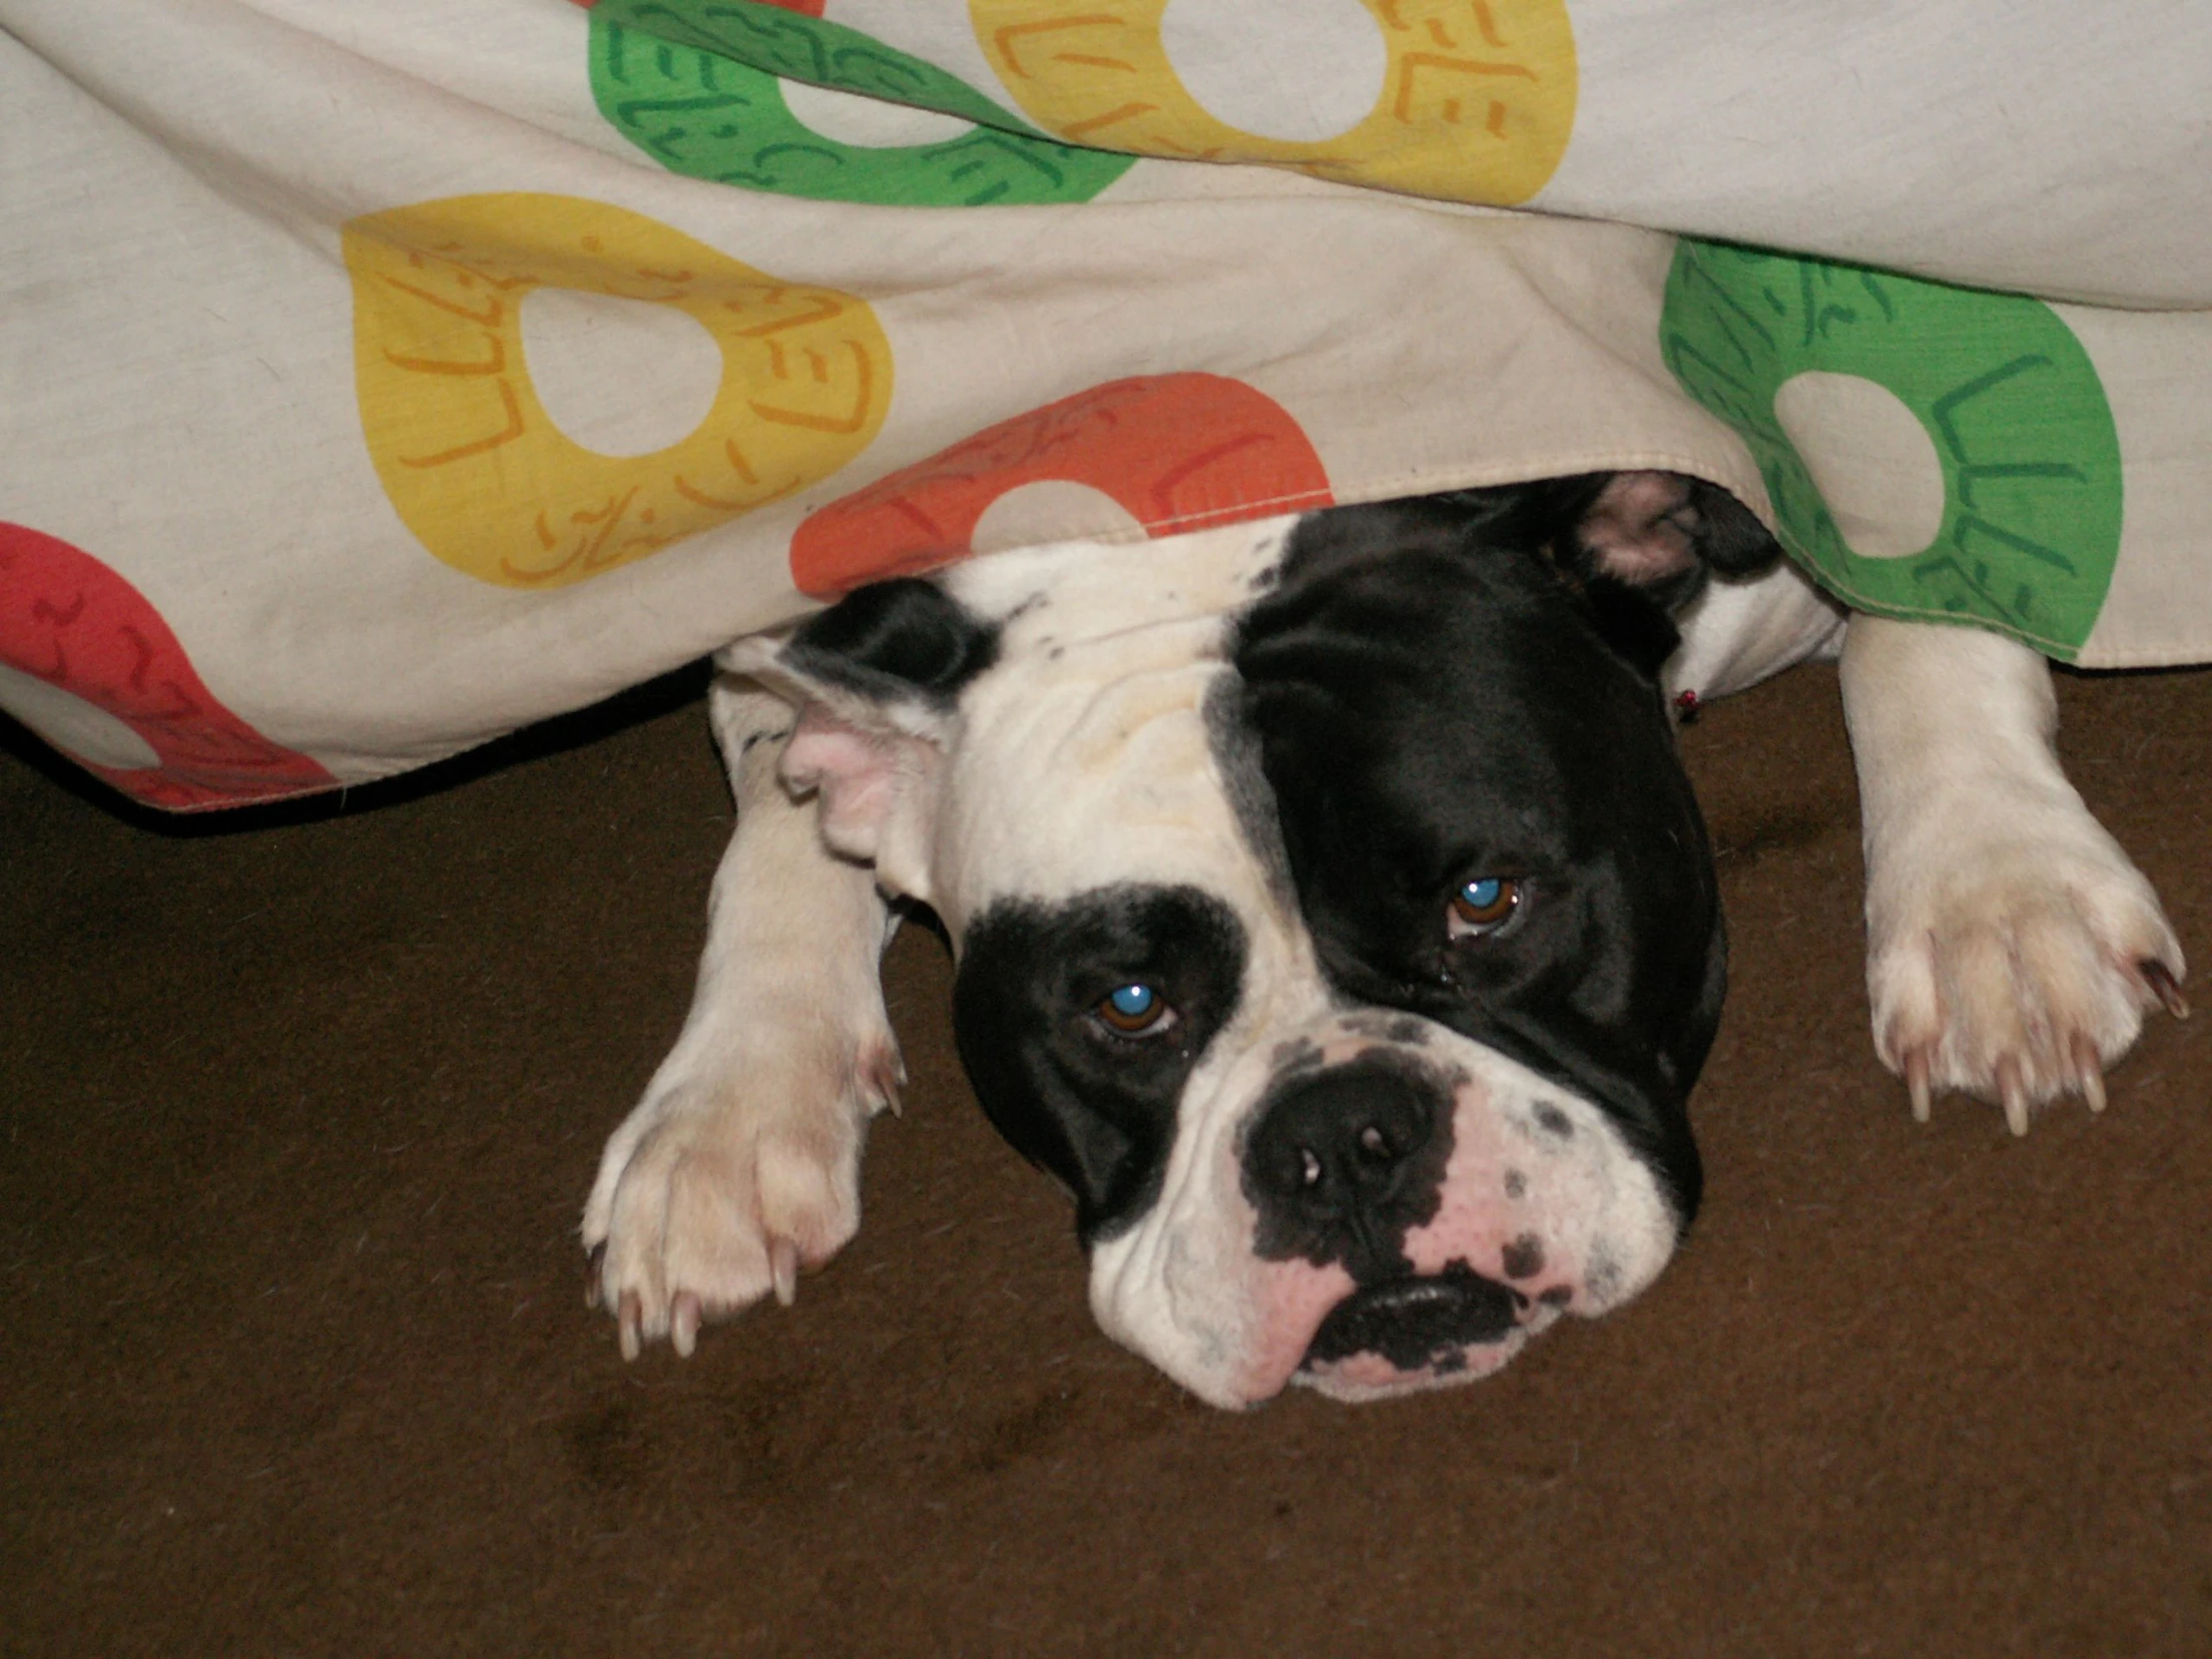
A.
pixel 299 1114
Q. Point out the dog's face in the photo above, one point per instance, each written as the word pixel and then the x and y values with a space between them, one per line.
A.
pixel 1333 916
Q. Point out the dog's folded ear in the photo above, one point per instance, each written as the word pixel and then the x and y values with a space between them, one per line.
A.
pixel 875 679
pixel 1659 530
pixel 1639 546
pixel 901 644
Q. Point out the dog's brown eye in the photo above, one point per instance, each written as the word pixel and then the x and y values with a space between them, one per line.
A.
pixel 1134 1011
pixel 1482 905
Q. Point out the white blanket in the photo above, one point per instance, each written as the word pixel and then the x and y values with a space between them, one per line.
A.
pixel 377 379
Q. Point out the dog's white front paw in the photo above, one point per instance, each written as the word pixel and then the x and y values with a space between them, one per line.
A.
pixel 728 1178
pixel 2015 963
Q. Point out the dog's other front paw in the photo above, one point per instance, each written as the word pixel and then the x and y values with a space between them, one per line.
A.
pixel 726 1179
pixel 2016 969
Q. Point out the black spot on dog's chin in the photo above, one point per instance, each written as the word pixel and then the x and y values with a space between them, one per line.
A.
pixel 1524 1257
pixel 1419 1324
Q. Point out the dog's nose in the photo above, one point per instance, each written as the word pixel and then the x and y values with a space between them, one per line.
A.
pixel 1341 1163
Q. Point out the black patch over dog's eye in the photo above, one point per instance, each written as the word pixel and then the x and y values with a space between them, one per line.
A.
pixel 1080 1021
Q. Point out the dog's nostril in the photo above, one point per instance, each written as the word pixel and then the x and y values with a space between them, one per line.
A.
pixel 1337 1139
pixel 1374 1148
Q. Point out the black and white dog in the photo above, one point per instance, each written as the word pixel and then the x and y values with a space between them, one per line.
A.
pixel 1333 916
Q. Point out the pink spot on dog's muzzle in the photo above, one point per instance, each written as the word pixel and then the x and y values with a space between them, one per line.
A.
pixel 1421 1208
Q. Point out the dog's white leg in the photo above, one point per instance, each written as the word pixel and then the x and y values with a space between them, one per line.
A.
pixel 2011 946
pixel 743 1160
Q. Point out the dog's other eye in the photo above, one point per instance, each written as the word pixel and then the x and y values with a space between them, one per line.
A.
pixel 1134 1011
pixel 1482 907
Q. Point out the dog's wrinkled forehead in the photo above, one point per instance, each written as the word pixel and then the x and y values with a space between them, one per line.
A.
pixel 1031 724
pixel 1089 757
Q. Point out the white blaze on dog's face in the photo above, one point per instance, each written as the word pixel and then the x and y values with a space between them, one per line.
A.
pixel 1331 916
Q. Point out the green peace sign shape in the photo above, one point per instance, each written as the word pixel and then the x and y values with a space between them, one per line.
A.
pixel 699 87
pixel 2023 528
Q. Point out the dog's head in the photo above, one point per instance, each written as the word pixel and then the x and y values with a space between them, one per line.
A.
pixel 1332 915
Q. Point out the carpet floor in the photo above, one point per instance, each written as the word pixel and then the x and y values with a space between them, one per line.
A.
pixel 298 1110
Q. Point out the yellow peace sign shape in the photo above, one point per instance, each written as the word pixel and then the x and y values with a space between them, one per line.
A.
pixel 464 446
pixel 1476 104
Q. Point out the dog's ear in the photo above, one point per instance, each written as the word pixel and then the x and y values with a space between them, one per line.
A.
pixel 1661 533
pixel 875 679
pixel 1639 546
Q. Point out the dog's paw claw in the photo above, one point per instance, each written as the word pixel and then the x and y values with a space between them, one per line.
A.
pixel 1916 1084
pixel 713 1196
pixel 2088 1071
pixel 629 1315
pixel 2165 985
pixel 882 1078
pixel 2019 978
pixel 683 1323
pixel 783 1267
pixel 2086 1080
pixel 2014 1093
